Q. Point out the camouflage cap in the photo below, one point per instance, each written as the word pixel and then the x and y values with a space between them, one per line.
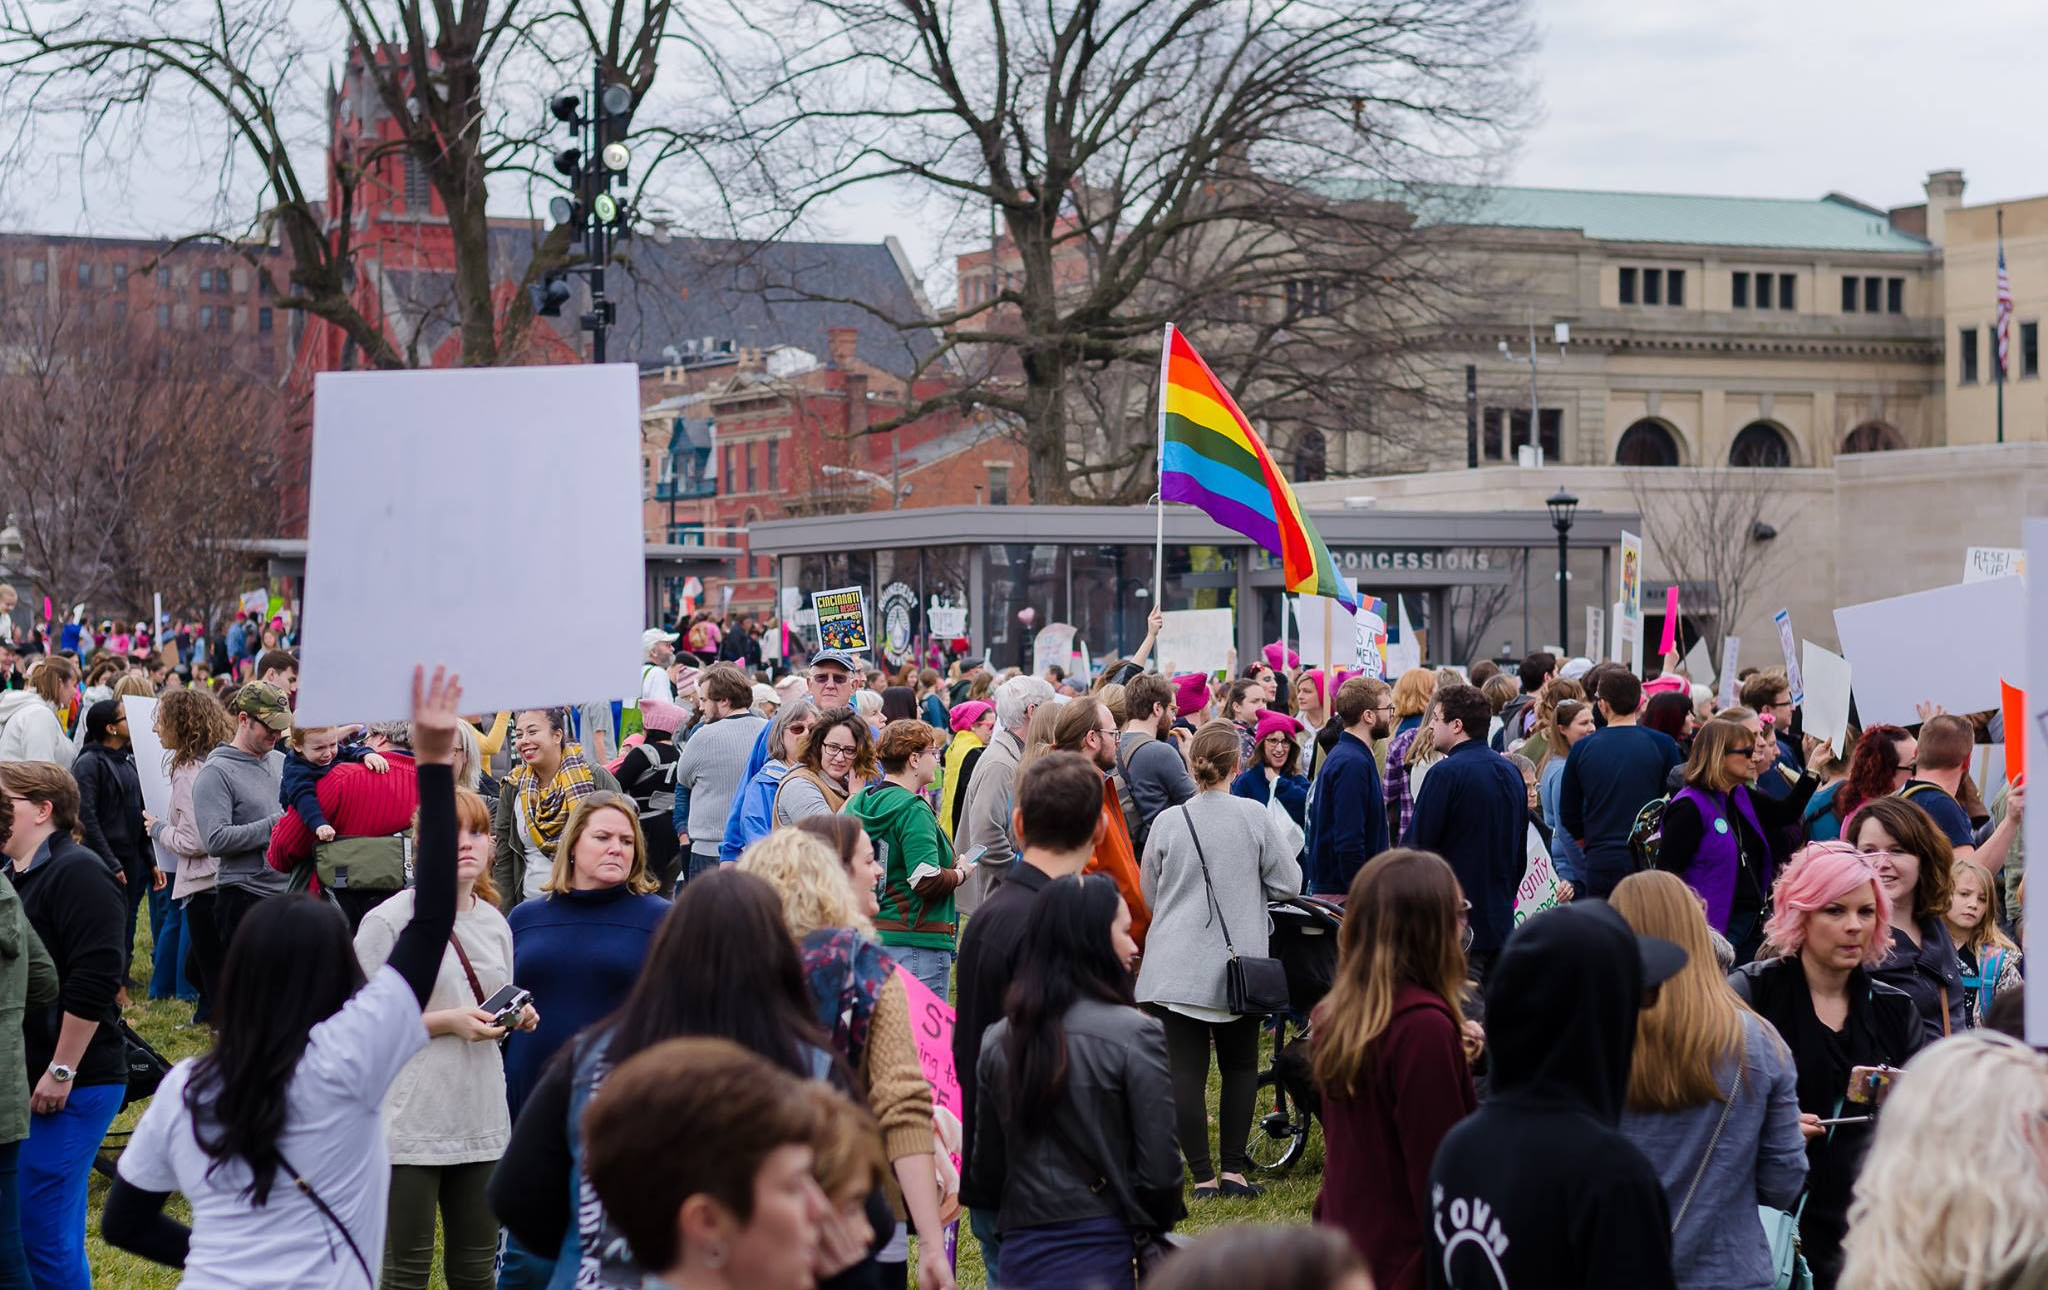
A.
pixel 266 703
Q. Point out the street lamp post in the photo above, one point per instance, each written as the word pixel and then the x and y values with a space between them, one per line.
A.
pixel 1563 507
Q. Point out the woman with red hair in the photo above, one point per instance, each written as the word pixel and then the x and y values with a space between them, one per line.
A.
pixel 1881 763
pixel 1829 926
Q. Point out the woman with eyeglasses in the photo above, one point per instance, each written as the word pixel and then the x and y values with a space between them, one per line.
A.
pixel 1722 838
pixel 1392 1058
pixel 1917 866
pixel 838 758
pixel 1826 932
pixel 753 809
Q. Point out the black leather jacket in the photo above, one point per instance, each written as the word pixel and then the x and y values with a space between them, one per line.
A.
pixel 1111 1150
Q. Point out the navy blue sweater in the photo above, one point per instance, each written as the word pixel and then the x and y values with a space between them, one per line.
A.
pixel 1473 811
pixel 579 952
pixel 1347 817
pixel 1610 775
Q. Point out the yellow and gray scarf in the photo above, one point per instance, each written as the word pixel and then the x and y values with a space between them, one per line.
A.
pixel 548 806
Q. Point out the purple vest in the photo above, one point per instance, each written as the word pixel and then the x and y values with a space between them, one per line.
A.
pixel 1714 868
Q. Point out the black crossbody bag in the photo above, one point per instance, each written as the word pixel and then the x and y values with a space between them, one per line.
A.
pixel 1253 986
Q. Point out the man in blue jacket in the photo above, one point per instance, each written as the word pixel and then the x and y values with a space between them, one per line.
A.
pixel 1347 814
pixel 1473 811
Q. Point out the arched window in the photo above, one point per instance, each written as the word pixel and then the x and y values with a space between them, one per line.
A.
pixel 1311 456
pixel 1872 436
pixel 1761 445
pixel 1648 442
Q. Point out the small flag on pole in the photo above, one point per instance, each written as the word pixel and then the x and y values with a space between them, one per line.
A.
pixel 2003 325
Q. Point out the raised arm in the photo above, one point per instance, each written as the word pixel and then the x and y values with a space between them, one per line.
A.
pixel 417 954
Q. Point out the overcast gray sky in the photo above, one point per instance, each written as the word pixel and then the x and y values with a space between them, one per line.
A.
pixel 1746 97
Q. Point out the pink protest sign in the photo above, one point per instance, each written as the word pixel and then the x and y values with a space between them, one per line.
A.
pixel 931 1023
pixel 1670 642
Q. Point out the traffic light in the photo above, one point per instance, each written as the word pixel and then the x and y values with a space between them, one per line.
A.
pixel 594 164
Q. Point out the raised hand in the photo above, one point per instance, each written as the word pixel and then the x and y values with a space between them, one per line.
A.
pixel 435 705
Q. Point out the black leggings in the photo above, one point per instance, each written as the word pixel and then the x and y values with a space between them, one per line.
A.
pixel 203 952
pixel 1187 1058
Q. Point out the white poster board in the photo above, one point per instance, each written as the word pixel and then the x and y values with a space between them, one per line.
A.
pixel 2034 659
pixel 1789 645
pixel 150 765
pixel 1596 633
pixel 407 562
pixel 1949 646
pixel 1731 650
pixel 1053 647
pixel 1318 618
pixel 1827 695
pixel 1403 655
pixel 1196 640
pixel 1983 563
pixel 1699 665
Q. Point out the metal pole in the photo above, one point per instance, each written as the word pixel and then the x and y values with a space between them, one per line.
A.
pixel 1998 353
pixel 1533 438
pixel 1564 622
pixel 599 234
pixel 1471 416
pixel 1159 498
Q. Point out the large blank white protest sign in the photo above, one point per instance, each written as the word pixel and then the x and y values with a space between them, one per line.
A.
pixel 149 754
pixel 1948 646
pixel 409 559
pixel 1196 640
pixel 2035 822
pixel 1827 695
pixel 1319 618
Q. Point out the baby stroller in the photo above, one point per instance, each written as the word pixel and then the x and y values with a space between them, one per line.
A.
pixel 1304 938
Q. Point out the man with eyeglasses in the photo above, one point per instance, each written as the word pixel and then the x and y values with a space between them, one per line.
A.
pixel 1087 727
pixel 1768 693
pixel 831 686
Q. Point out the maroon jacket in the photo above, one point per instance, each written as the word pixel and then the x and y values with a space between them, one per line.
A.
pixel 1380 1142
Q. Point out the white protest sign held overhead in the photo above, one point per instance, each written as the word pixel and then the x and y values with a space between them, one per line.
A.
pixel 2034 661
pixel 1372 645
pixel 1827 695
pixel 1790 645
pixel 1196 640
pixel 1053 647
pixel 1319 618
pixel 1699 665
pixel 406 562
pixel 1405 654
pixel 1596 633
pixel 1982 563
pixel 1731 650
pixel 150 765
pixel 1948 646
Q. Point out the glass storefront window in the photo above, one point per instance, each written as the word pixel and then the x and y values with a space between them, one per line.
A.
pixel 1112 594
pixel 1022 576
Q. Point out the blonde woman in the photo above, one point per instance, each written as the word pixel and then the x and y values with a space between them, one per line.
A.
pixel 862 1002
pixel 1989 959
pixel 1392 1058
pixel 580 947
pixel 1954 1192
pixel 1713 1100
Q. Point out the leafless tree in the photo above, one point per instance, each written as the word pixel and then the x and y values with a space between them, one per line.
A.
pixel 129 463
pixel 464 84
pixel 1472 609
pixel 1710 532
pixel 1246 170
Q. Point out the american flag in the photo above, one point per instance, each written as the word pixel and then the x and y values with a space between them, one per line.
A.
pixel 2003 326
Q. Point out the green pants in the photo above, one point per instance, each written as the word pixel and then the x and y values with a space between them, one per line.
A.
pixel 470 1240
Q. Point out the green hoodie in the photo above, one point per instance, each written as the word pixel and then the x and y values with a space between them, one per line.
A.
pixel 28 976
pixel 906 834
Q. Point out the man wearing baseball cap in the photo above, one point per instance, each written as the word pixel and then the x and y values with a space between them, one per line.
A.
pixel 831 686
pixel 235 803
pixel 1539 1187
pixel 658 654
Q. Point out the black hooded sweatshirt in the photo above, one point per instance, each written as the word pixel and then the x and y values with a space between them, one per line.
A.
pixel 1539 1188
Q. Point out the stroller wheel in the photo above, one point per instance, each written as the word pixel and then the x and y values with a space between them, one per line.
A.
pixel 1280 1127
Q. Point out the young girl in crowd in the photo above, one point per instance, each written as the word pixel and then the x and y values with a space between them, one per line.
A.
pixel 1390 1058
pixel 1712 1101
pixel 1990 960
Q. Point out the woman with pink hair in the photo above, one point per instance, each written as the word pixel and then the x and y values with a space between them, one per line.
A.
pixel 1829 926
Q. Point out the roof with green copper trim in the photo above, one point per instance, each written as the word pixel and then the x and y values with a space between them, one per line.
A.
pixel 1830 223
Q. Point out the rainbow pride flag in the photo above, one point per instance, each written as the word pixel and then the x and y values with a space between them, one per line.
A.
pixel 1212 459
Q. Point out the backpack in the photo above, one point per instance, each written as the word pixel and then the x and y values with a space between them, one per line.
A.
pixel 1646 835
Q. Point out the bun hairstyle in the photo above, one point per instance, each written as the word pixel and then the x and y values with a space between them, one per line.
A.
pixel 1214 752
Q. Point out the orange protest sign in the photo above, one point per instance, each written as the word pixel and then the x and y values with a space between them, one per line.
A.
pixel 2012 702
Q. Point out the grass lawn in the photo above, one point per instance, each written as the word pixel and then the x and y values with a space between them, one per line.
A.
pixel 166 1025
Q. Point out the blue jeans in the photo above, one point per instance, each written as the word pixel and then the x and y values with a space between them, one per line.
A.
pixel 13 1263
pixel 56 1164
pixel 699 864
pixel 982 1222
pixel 167 928
pixel 933 967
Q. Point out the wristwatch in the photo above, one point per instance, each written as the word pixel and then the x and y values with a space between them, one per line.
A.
pixel 61 1073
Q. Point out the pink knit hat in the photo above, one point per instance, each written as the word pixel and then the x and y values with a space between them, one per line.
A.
pixel 1275 652
pixel 686 683
pixel 1271 722
pixel 1190 693
pixel 660 714
pixel 966 714
pixel 1667 683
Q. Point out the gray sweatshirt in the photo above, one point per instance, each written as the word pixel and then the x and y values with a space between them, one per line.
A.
pixel 234 803
pixel 1759 1160
pixel 711 769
